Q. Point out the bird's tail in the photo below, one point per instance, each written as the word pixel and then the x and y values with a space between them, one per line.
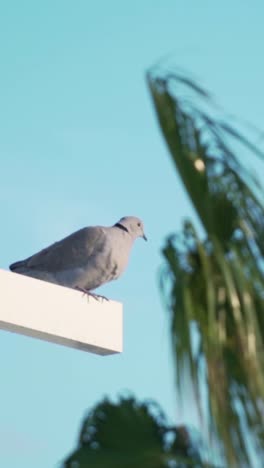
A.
pixel 17 265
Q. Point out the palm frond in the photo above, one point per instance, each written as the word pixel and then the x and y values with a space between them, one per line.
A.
pixel 216 283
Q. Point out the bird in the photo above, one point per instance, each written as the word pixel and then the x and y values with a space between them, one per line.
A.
pixel 87 258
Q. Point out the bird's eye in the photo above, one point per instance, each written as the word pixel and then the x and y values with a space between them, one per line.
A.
pixel 138 224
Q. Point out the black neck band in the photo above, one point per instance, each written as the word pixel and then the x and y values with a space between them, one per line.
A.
pixel 120 226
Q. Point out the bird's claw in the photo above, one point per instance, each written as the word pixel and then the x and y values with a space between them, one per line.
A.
pixel 98 296
pixel 89 293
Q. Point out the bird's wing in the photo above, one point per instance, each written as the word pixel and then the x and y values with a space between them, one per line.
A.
pixel 71 252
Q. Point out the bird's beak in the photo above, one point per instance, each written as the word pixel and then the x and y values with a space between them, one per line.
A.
pixel 145 237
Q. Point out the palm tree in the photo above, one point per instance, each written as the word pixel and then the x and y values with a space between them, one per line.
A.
pixel 213 284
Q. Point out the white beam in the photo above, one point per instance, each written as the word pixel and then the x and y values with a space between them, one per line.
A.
pixel 60 315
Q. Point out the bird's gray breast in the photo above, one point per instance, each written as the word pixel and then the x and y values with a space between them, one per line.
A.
pixel 119 253
pixel 109 263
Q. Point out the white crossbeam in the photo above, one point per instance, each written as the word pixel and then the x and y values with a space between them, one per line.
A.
pixel 60 315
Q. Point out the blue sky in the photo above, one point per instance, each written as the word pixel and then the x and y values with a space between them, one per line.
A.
pixel 79 145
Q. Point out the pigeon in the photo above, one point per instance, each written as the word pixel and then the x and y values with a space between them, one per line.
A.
pixel 87 258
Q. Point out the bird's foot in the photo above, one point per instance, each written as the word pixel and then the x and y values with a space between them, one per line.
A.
pixel 89 293
pixel 98 296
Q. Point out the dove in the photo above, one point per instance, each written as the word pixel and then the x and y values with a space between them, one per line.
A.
pixel 86 259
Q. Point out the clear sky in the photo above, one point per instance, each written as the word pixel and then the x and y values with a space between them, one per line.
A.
pixel 79 145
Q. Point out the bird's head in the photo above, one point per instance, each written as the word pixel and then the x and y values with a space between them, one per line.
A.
pixel 134 226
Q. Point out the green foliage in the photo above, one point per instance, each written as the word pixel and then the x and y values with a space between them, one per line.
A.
pixel 132 435
pixel 214 287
